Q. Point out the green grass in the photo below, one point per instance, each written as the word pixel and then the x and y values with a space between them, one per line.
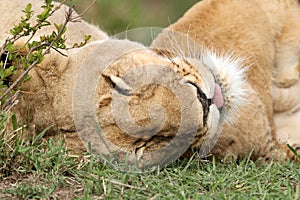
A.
pixel 37 168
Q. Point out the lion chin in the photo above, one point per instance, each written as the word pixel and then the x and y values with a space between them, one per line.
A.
pixel 202 86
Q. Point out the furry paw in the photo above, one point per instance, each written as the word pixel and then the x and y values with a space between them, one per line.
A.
pixel 287 79
pixel 287 63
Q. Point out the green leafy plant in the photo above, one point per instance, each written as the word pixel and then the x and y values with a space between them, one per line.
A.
pixel 14 57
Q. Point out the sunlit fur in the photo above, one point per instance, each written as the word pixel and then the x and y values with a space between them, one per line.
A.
pixel 231 77
pixel 49 99
pixel 229 70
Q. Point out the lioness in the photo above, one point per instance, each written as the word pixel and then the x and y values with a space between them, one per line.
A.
pixel 148 106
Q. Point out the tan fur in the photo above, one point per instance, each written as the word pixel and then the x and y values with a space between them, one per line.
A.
pixel 287 114
pixel 58 93
pixel 266 35
pixel 284 16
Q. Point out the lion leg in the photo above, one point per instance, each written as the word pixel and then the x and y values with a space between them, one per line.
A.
pixel 286 102
pixel 287 67
pixel 249 137
pixel 288 128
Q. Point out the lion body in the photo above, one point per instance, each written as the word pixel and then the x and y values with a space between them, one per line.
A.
pixel 266 35
pixel 50 98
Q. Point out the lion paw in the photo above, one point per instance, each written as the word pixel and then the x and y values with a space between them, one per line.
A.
pixel 288 79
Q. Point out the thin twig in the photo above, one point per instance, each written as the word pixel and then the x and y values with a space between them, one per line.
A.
pixel 83 12
pixel 6 58
pixel 60 4
pixel 11 102
pixel 14 38
pixel 19 79
pixel 58 51
pixel 35 48
pixel 155 196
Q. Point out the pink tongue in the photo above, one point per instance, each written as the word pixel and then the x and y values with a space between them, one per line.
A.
pixel 218 99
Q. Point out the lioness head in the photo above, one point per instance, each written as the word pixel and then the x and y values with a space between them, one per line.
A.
pixel 147 108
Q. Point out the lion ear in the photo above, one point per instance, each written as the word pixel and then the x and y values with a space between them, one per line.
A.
pixel 119 84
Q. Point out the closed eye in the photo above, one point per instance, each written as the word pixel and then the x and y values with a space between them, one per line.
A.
pixel 119 84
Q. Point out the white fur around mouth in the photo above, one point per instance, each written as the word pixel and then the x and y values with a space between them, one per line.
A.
pixel 230 75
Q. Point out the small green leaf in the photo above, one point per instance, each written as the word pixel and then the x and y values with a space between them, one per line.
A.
pixel 28 8
pixel 87 37
pixel 28 12
pixel 48 2
pixel 8 71
pixel 58 26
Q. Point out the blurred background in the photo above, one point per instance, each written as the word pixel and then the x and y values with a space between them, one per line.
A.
pixel 114 16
